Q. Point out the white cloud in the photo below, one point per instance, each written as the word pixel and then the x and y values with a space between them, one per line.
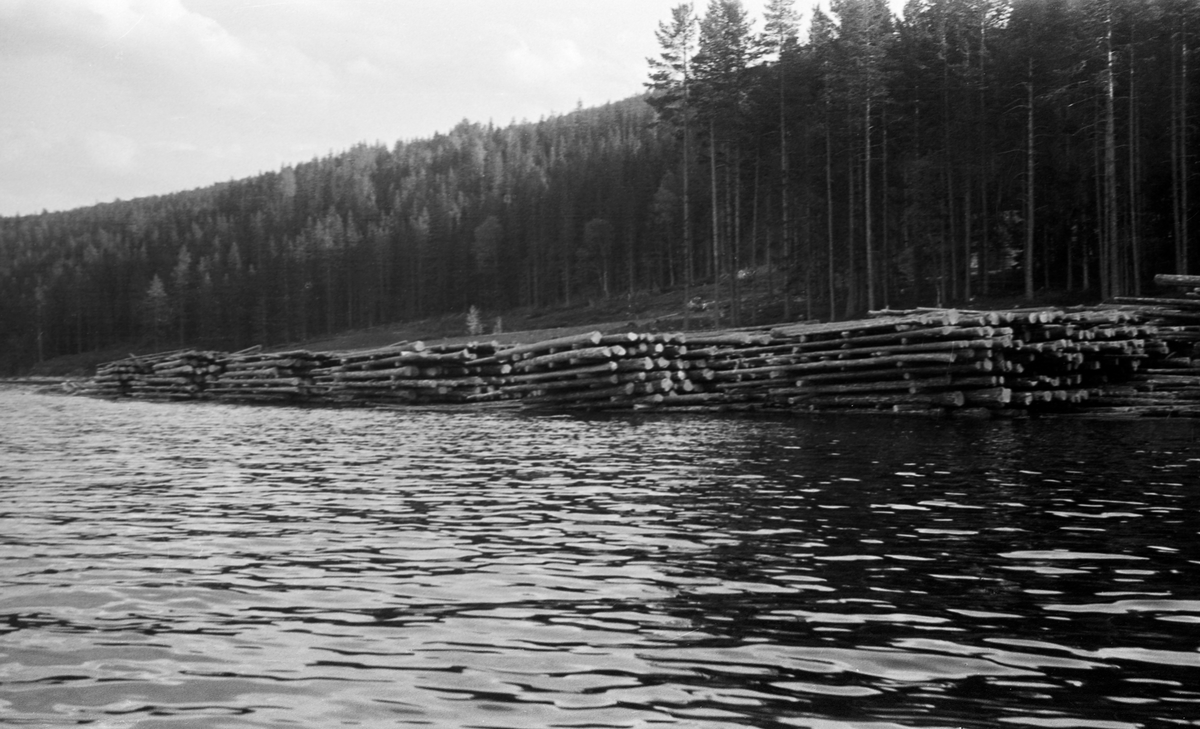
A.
pixel 118 98
pixel 111 152
pixel 362 66
pixel 117 32
pixel 19 145
pixel 559 59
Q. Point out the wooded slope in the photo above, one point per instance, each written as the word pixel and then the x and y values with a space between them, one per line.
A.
pixel 972 147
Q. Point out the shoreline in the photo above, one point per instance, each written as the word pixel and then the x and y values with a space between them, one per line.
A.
pixel 1101 361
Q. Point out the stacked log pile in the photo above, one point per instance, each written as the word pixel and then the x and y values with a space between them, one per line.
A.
pixel 918 361
pixel 275 376
pixel 1178 313
pixel 410 372
pixel 633 370
pixel 1168 383
pixel 1119 358
pixel 175 375
pixel 576 371
pixel 112 379
pixel 1059 360
pixel 933 360
pixel 719 370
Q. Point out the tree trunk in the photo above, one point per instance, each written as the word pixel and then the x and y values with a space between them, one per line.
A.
pixel 829 213
pixel 949 272
pixel 716 227
pixel 809 253
pixel 687 217
pixel 1116 275
pixel 871 298
pixel 1029 207
pixel 1178 149
pixel 885 249
pixel 784 211
pixel 1135 251
pixel 1101 198
pixel 733 206
pixel 851 273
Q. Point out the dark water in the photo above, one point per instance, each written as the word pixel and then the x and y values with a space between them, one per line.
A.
pixel 168 565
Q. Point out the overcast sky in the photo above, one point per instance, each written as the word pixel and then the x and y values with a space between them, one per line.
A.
pixel 107 99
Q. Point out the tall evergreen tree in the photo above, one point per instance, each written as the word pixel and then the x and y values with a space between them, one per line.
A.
pixel 781 38
pixel 726 55
pixel 670 89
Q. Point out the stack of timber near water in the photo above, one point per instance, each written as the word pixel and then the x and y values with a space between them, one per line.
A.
pixel 1169 383
pixel 273 376
pixel 1127 357
pixel 615 371
pixel 900 361
pixel 924 360
pixel 410 372
pixel 174 375
pixel 112 379
pixel 1067 357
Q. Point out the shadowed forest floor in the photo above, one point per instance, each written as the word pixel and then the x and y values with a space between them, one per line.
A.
pixel 642 311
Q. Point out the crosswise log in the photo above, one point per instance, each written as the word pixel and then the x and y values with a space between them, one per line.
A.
pixel 737 339
pixel 888 373
pixel 258 364
pixel 1175 279
pixel 439 383
pixel 603 393
pixel 905 337
pixel 623 338
pixel 702 399
pixel 386 362
pixel 1180 303
pixel 565 372
pixel 988 396
pixel 250 373
pixel 249 385
pixel 581 383
pixel 363 355
pixel 591 339
pixel 946 345
pixel 892 360
pixel 951 399
pixel 864 387
pixel 569 355
pixel 409 371
pixel 944 317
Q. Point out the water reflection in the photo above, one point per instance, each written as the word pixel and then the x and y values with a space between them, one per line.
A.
pixel 240 566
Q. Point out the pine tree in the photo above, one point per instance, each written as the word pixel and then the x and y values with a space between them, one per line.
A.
pixel 156 308
pixel 780 37
pixel 474 321
pixel 726 54
pixel 670 88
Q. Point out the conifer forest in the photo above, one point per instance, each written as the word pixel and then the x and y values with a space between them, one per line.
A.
pixel 853 160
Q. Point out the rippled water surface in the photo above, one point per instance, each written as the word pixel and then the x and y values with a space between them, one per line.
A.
pixel 203 565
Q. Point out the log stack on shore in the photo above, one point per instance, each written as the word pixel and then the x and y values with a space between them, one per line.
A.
pixel 1169 383
pixel 409 372
pixel 112 379
pixel 932 360
pixel 175 375
pixel 268 377
pixel 914 361
pixel 613 371
pixel 1126 357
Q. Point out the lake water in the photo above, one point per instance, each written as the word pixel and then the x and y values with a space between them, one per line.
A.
pixel 214 565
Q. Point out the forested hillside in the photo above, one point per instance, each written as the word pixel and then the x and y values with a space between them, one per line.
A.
pixel 973 147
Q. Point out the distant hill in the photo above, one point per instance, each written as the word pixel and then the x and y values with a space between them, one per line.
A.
pixel 525 215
